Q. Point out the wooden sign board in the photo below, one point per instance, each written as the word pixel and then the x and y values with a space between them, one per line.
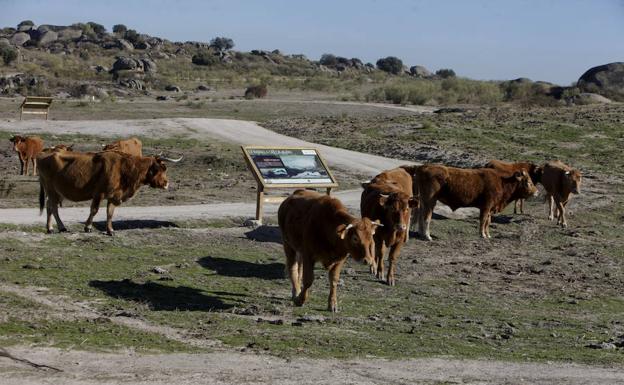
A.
pixel 36 105
pixel 286 167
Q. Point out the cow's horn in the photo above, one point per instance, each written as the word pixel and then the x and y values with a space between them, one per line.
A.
pixel 350 225
pixel 170 159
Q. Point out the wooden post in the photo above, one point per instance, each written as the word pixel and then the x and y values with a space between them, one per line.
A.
pixel 260 204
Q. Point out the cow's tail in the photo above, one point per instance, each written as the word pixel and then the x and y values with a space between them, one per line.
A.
pixel 41 198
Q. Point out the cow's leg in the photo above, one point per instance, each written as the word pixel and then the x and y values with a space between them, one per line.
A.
pixel 334 276
pixel 425 220
pixel 49 210
pixel 21 164
pixel 308 278
pixel 516 204
pixel 53 203
pixel 110 210
pixel 292 267
pixel 483 217
pixel 521 206
pixel 380 251
pixel 26 162
pixel 561 219
pixel 487 225
pixel 95 206
pixel 551 202
pixel 395 250
pixel 34 164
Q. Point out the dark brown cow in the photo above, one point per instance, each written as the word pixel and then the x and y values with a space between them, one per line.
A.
pixel 27 148
pixel 318 228
pixel 109 175
pixel 132 146
pixel 387 198
pixel 487 189
pixel 534 171
pixel 560 180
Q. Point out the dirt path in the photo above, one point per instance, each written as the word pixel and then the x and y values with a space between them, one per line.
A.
pixel 246 368
pixel 233 131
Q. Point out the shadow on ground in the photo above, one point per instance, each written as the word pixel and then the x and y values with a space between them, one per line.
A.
pixel 134 224
pixel 242 269
pixel 265 233
pixel 161 297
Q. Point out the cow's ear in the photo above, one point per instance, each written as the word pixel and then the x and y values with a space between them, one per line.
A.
pixel 343 229
pixel 518 175
pixel 413 202
pixel 383 199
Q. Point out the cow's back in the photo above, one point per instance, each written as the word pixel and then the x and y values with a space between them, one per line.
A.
pixel 74 176
pixel 552 176
pixel 306 218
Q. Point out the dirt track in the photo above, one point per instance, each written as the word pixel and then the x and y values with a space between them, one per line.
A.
pixel 234 131
pixel 240 368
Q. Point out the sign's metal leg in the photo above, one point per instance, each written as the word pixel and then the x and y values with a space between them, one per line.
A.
pixel 260 204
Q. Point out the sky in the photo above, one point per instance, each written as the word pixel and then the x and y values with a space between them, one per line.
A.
pixel 549 40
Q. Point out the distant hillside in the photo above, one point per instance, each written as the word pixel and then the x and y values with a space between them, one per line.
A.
pixel 84 59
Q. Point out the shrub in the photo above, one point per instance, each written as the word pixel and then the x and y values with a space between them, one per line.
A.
pixel 445 73
pixel 222 43
pixel 390 64
pixel 132 36
pixel 120 29
pixel 205 58
pixel 327 59
pixel 8 54
pixel 256 92
pixel 99 29
pixel 25 22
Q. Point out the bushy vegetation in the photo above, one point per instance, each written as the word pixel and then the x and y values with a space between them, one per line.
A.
pixel 205 58
pixel 8 54
pixel 390 64
pixel 445 73
pixel 437 92
pixel 120 29
pixel 222 44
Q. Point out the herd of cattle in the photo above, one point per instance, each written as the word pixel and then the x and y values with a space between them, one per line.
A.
pixel 315 227
pixel 115 173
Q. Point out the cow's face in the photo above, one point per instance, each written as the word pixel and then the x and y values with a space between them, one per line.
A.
pixel 574 181
pixel 16 140
pixel 536 172
pixel 359 238
pixel 525 185
pixel 157 174
pixel 397 209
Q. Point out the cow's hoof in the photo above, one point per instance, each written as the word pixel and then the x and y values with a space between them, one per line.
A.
pixel 390 282
pixel 298 302
pixel 87 229
pixel 373 270
pixel 49 231
pixel 332 308
pixel 110 233
pixel 63 230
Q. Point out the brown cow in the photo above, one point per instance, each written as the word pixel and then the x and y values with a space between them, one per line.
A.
pixel 534 171
pixel 27 149
pixel 485 188
pixel 110 175
pixel 132 146
pixel 387 198
pixel 57 148
pixel 560 181
pixel 318 228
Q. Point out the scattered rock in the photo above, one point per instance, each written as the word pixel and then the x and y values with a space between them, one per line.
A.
pixel 149 66
pixel 602 345
pixel 606 80
pixel 590 98
pixel 124 63
pixel 173 88
pixel 202 87
pixel 47 38
pixel 125 44
pixel 160 270
pixel 69 34
pixel 312 318
pixel 256 92
pixel 162 97
pixel 19 39
pixel 420 72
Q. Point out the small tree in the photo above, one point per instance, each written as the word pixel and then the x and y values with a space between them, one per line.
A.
pixel 222 44
pixel 327 59
pixel 99 29
pixel 8 54
pixel 132 36
pixel 24 23
pixel 120 29
pixel 445 73
pixel 205 58
pixel 390 64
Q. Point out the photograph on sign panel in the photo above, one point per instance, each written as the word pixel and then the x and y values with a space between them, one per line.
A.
pixel 290 166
